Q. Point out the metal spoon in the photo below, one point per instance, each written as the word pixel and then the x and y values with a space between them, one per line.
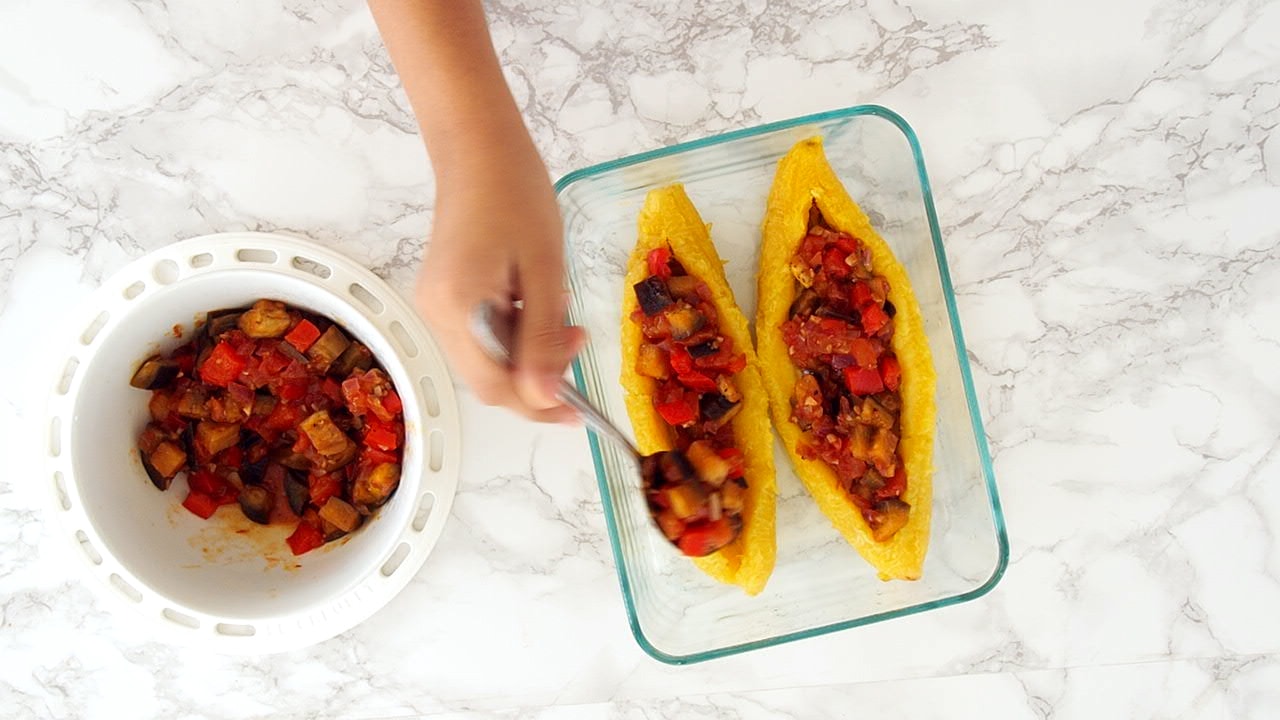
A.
pixel 494 330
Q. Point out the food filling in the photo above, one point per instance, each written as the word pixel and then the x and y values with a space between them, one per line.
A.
pixel 279 412
pixel 839 336
pixel 693 365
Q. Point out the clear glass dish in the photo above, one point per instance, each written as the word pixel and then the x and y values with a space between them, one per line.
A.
pixel 820 584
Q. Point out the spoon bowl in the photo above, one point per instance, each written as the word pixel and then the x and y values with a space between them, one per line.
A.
pixel 665 476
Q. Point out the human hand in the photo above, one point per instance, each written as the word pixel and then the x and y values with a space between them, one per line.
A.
pixel 497 237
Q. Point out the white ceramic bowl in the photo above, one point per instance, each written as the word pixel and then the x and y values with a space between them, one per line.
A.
pixel 226 583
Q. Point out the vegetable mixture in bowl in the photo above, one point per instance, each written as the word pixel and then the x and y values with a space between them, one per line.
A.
pixel 279 412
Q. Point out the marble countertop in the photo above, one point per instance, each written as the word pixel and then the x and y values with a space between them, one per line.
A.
pixel 1107 177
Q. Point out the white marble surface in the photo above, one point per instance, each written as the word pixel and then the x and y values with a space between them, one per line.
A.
pixel 1107 176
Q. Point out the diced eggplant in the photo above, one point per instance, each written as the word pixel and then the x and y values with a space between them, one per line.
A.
pixel 684 321
pixel 732 497
pixel 225 407
pixel 806 401
pixel 328 348
pixel 298 492
pixel 219 321
pixel 254 472
pixel 892 515
pixel 329 463
pixel 255 501
pixel 325 435
pixel 160 481
pixel 331 532
pixel 187 438
pixel 872 413
pixel 704 349
pixel 711 468
pixel 883 451
pixel 683 287
pixel 653 295
pixel 853 317
pixel 290 459
pixel 167 459
pixel 714 406
pixel 374 485
pixel 266 319
pixel 714 425
pixel 673 468
pixel 672 527
pixel 341 514
pixel 652 361
pixel 859 443
pixel 685 500
pixel 805 303
pixel 355 357
pixel 728 388
pixel 155 373
pixel 214 437
pixel 161 404
pixel 151 437
pixel 801 271
pixel 194 403
pixel 263 404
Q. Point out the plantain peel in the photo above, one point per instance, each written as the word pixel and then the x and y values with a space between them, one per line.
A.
pixel 804 177
pixel 669 218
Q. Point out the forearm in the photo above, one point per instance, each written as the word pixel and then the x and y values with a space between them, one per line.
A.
pixel 445 58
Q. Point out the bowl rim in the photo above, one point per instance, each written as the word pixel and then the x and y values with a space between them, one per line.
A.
pixel 975 415
pixel 414 353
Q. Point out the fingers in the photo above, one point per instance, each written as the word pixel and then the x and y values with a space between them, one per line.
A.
pixel 543 344
pixel 447 311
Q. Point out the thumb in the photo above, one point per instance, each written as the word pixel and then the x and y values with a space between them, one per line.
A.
pixel 544 344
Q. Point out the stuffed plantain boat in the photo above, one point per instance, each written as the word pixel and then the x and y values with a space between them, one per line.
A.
pixel 847 366
pixel 692 383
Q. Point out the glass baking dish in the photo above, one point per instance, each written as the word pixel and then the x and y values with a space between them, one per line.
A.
pixel 820 584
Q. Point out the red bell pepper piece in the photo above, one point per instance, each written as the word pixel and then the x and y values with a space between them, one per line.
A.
pixel 863 352
pixel 861 294
pixel 863 381
pixel 206 483
pixel 284 416
pixel 736 365
pixel 200 504
pixel 373 457
pixel 303 336
pixel 873 318
pixel 332 390
pixel 391 401
pixel 305 538
pixel 703 538
pixel 274 363
pixel 891 372
pixel 659 260
pixel 735 458
pixel 833 262
pixel 232 457
pixel 681 411
pixel 323 487
pixel 382 438
pixel 293 390
pixel 185 356
pixel 894 486
pixel 223 365
pixel 681 360
pixel 697 381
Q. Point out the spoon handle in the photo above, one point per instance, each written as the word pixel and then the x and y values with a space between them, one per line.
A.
pixel 570 396
pixel 493 330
